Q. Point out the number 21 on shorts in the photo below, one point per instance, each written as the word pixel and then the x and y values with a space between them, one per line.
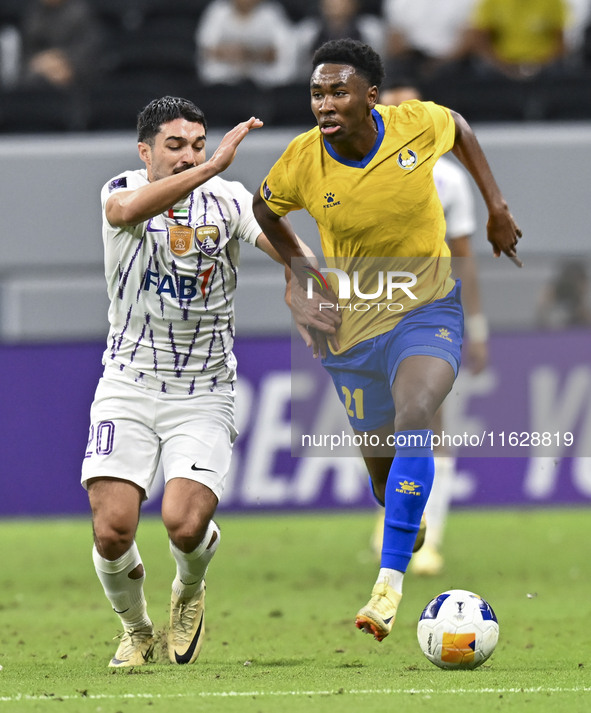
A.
pixel 357 398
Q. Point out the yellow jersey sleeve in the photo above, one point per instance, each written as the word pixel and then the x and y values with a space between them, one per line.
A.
pixel 280 188
pixel 444 128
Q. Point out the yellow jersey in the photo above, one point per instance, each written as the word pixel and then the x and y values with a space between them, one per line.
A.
pixel 523 31
pixel 384 206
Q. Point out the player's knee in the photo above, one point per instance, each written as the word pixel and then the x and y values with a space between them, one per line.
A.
pixel 113 539
pixel 413 416
pixel 187 533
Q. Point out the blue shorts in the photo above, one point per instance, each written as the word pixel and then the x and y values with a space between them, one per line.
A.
pixel 363 375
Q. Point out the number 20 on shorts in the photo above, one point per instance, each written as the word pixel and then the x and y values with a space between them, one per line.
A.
pixel 356 397
pixel 103 445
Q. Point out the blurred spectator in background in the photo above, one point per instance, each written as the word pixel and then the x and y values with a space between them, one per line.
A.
pixel 246 40
pixel 426 36
pixel 338 20
pixel 565 302
pixel 10 54
pixel 519 38
pixel 61 42
pixel 574 36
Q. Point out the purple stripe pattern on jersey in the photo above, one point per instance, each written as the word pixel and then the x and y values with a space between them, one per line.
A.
pixel 234 270
pixel 123 282
pixel 192 344
pixel 211 343
pixel 137 344
pixel 118 347
pixel 204 199
pixel 222 216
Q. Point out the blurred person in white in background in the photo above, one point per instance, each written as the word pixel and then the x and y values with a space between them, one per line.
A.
pixel 10 55
pixel 426 35
pixel 338 19
pixel 241 40
pixel 457 200
pixel 574 34
pixel 61 43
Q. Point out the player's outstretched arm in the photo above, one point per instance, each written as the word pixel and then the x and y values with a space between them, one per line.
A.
pixel 126 208
pixel 503 233
pixel 311 321
pixel 280 234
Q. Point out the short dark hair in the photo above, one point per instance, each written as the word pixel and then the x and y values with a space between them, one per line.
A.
pixel 161 111
pixel 362 57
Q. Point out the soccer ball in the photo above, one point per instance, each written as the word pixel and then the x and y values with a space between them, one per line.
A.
pixel 458 629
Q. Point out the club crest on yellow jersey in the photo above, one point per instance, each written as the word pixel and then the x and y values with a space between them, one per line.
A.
pixel 407 159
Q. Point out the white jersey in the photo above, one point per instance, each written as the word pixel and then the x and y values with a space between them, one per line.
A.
pixel 456 198
pixel 171 282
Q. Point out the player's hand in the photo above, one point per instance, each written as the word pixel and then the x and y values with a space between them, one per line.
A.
pixel 226 151
pixel 477 356
pixel 315 320
pixel 503 234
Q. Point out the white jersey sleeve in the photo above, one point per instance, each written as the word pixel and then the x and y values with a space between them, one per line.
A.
pixel 247 228
pixel 126 181
pixel 456 198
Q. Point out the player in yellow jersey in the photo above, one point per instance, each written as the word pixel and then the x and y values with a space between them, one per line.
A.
pixel 366 175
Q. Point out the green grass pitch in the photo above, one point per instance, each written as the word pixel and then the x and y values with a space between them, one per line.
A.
pixel 283 591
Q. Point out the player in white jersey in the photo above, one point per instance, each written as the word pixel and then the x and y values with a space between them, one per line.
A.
pixel 171 235
pixel 457 200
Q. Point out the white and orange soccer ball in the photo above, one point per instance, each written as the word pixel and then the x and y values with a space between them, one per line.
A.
pixel 458 630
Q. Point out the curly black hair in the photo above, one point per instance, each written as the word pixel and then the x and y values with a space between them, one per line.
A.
pixel 363 58
pixel 161 111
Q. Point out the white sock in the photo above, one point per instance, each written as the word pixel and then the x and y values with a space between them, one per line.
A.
pixel 394 577
pixel 192 566
pixel 439 500
pixel 126 595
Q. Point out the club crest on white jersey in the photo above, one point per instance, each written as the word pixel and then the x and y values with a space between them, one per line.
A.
pixel 207 239
pixel 180 239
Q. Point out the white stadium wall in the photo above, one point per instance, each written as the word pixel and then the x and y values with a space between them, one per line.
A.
pixel 51 281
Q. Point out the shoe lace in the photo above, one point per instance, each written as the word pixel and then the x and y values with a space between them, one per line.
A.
pixel 187 611
pixel 130 639
pixel 381 602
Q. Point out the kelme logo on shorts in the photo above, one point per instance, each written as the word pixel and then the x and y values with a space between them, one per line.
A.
pixel 407 159
pixel 444 334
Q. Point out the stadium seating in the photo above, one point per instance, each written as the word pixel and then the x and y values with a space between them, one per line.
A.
pixel 150 50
